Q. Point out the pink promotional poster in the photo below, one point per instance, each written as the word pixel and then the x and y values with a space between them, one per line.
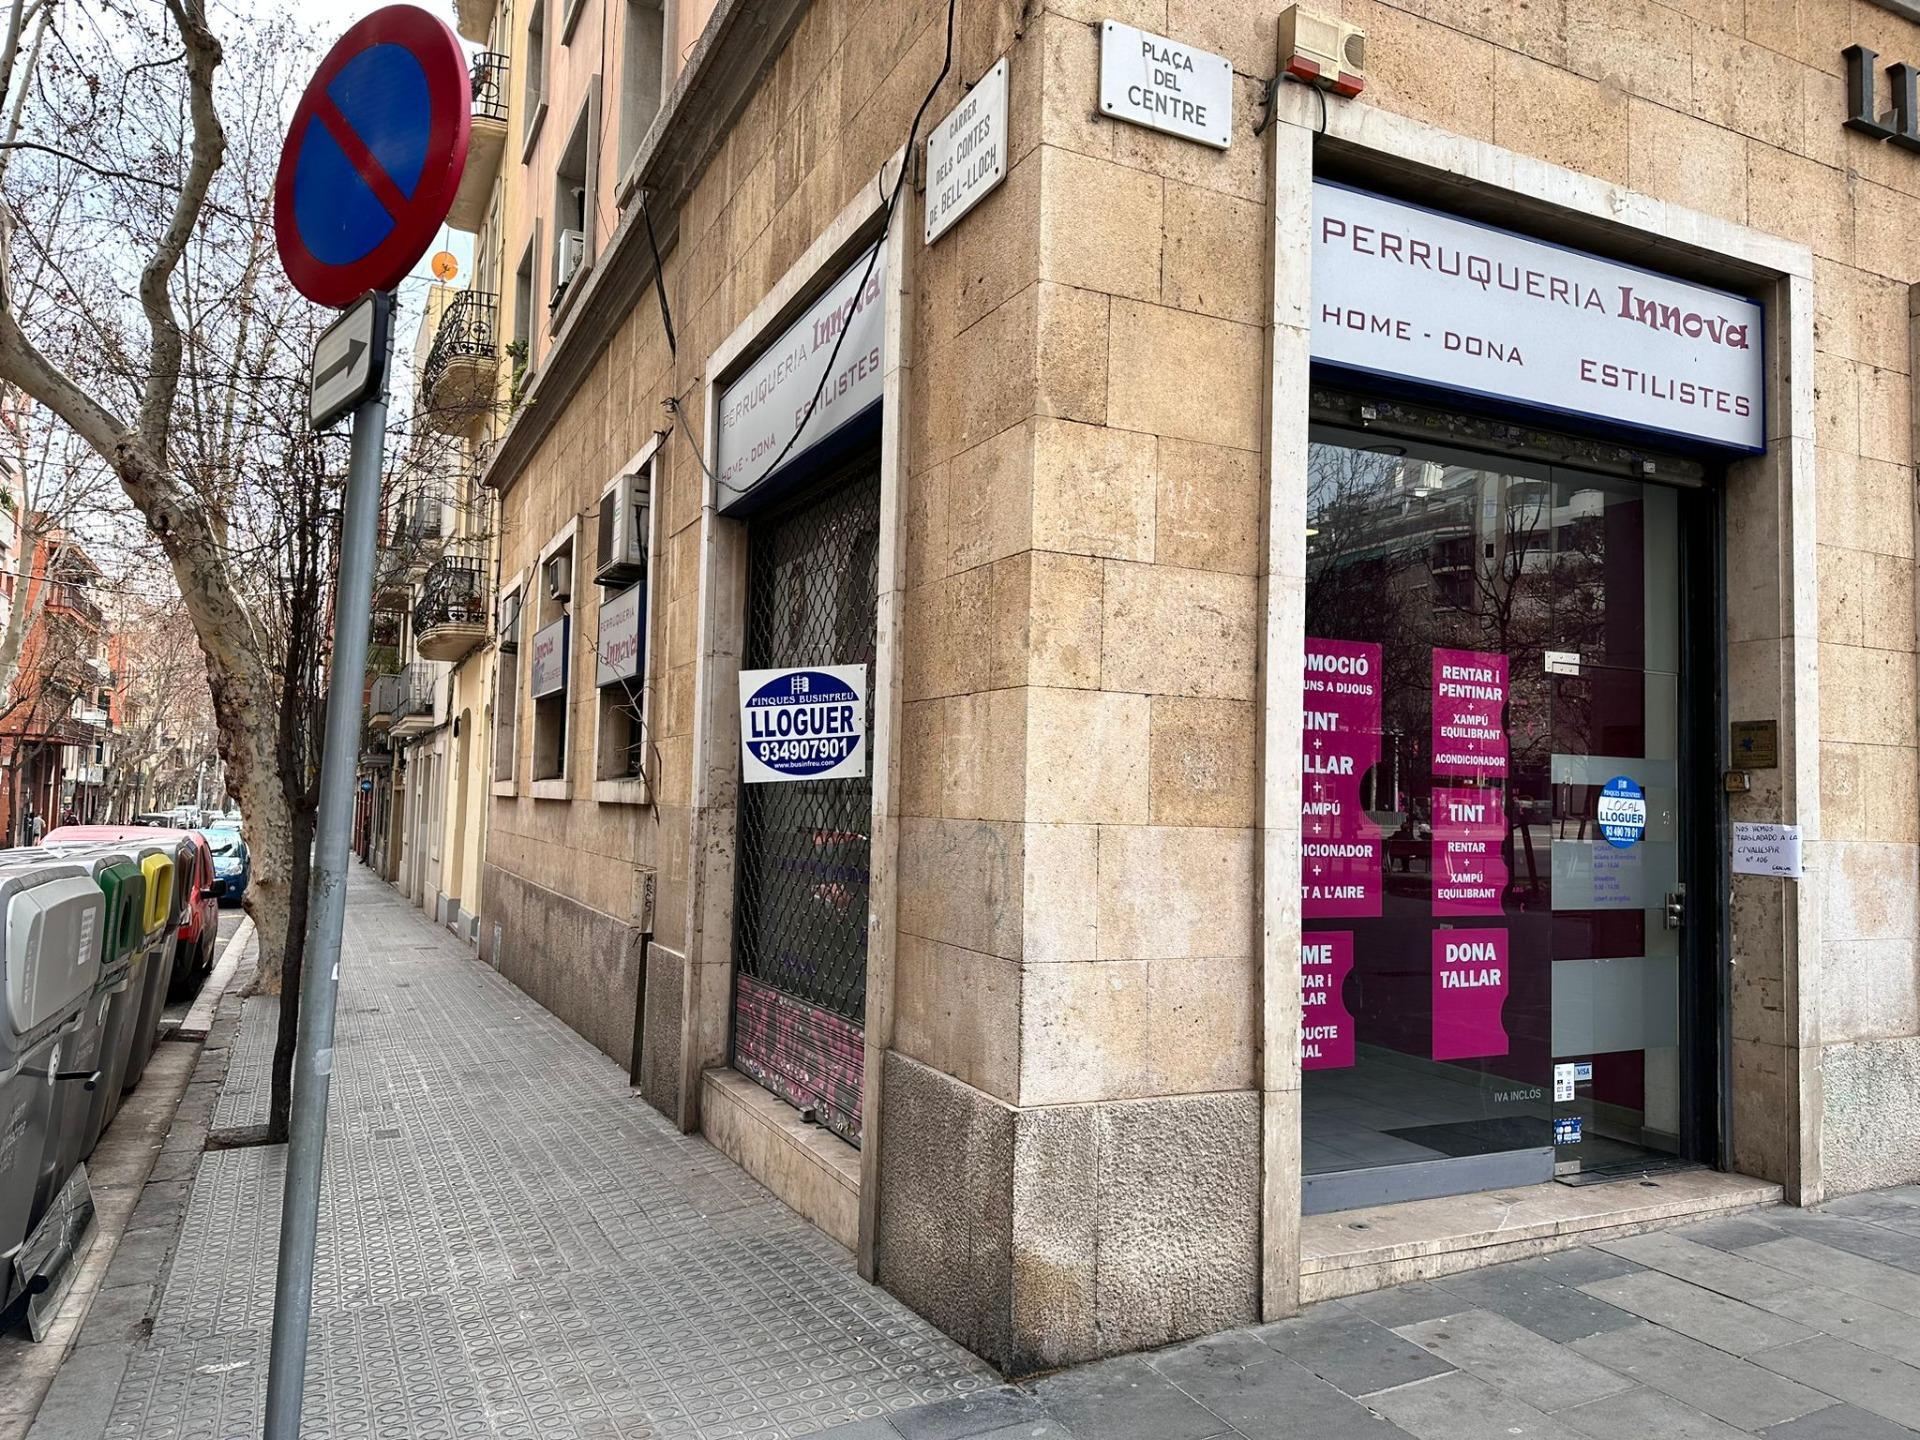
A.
pixel 1469 704
pixel 1470 982
pixel 1326 1026
pixel 1469 873
pixel 1340 848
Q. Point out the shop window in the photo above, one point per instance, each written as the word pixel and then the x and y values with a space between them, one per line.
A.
pixel 621 571
pixel 536 97
pixel 506 687
pixel 573 203
pixel 642 46
pixel 548 647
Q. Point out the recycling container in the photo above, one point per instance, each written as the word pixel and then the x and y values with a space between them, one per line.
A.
pixel 104 1042
pixel 51 918
pixel 160 923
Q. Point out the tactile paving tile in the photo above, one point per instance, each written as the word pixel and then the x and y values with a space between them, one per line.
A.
pixel 511 1245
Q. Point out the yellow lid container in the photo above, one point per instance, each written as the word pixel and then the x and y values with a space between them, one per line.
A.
pixel 159 872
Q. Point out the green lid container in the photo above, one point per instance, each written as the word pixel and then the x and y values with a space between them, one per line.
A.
pixel 126 890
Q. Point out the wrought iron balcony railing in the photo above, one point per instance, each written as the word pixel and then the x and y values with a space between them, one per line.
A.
pixel 468 331
pixel 453 593
pixel 416 690
pixel 384 698
pixel 489 75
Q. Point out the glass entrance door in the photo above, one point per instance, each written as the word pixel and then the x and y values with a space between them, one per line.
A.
pixel 1493 867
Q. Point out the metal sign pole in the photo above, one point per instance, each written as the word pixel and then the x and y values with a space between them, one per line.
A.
pixel 313 1048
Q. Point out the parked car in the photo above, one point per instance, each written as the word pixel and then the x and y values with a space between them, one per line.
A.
pixel 232 862
pixel 199 936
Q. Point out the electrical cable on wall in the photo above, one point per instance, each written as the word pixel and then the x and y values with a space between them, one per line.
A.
pixel 833 357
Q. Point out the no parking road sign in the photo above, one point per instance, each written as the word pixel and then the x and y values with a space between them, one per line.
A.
pixel 373 156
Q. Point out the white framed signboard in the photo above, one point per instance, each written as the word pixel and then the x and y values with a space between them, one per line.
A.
pixel 1415 294
pixel 967 153
pixel 549 663
pixel 808 722
pixel 759 410
pixel 1150 80
pixel 618 648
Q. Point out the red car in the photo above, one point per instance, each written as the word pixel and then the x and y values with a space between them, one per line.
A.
pixel 193 953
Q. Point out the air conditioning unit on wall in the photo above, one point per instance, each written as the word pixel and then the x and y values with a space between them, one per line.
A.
pixel 622 556
pixel 1318 51
pixel 567 263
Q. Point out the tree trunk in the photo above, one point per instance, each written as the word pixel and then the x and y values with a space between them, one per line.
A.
pixel 293 967
pixel 271 839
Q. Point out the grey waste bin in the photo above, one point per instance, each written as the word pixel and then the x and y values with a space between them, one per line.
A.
pixel 51 918
pixel 158 862
pixel 104 1041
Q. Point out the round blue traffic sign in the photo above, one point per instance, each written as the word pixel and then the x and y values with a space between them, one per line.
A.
pixel 373 156
pixel 1622 812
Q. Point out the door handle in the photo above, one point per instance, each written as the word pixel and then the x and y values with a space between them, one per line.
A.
pixel 1676 908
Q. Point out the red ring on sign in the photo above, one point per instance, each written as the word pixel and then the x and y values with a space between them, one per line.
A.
pixel 450 124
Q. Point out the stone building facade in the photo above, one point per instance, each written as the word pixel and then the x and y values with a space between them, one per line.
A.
pixel 1016 1011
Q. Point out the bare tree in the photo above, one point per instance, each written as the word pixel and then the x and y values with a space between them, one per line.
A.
pixel 159 329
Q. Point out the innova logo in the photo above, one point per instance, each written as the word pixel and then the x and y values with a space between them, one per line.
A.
pixel 1901 124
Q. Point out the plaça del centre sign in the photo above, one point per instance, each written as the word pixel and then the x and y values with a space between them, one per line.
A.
pixel 1165 85
pixel 1417 295
pixel 760 410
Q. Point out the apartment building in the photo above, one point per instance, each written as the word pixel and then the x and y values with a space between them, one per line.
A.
pixel 1310 681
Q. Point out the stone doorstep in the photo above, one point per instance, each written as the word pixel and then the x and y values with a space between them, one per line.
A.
pixel 116 1323
pixel 1350 1252
pixel 811 1170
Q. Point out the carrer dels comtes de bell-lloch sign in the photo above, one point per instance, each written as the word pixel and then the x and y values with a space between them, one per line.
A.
pixel 1413 294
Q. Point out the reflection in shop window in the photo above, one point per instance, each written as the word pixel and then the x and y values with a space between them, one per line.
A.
pixel 1468 934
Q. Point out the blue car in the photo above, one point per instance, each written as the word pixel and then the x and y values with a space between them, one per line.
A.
pixel 231 864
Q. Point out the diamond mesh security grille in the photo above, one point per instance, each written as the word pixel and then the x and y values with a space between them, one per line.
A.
pixel 800 917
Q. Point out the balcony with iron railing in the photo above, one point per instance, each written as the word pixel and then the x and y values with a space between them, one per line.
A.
pixel 392 577
pixel 450 618
pixel 486 141
pixel 414 715
pixel 384 698
pixel 67 596
pixel 462 369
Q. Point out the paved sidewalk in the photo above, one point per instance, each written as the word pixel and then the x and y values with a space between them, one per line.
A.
pixel 1791 1324
pixel 512 1245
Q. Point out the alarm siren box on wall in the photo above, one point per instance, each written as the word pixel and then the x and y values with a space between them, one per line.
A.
pixel 1319 51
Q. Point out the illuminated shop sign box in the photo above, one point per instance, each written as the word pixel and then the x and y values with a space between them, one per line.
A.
pixel 1412 294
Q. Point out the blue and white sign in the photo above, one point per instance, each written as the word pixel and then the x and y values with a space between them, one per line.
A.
pixel 808 723
pixel 1566 1130
pixel 1622 812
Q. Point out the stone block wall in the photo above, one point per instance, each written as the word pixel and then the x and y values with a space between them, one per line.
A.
pixel 1073 1093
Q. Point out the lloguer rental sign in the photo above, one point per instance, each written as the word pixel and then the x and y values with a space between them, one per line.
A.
pixel 1417 295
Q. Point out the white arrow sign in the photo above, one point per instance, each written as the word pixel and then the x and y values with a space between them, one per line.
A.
pixel 348 361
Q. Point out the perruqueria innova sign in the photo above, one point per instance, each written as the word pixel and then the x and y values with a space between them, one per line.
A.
pixel 805 723
pixel 1414 294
